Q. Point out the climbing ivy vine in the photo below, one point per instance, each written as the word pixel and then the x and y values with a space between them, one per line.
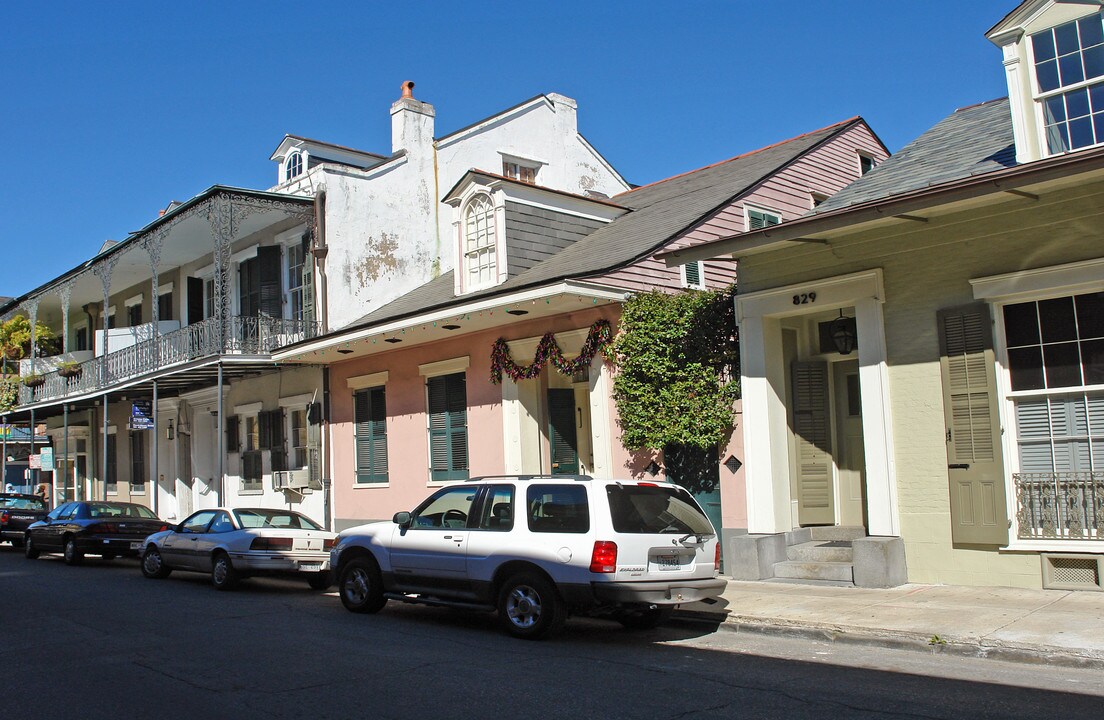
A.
pixel 678 373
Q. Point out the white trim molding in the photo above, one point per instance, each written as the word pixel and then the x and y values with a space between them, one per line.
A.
pixel 444 367
pixel 248 408
pixel 297 400
pixel 1074 278
pixel 359 382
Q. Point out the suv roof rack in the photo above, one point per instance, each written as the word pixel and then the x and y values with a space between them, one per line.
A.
pixel 527 478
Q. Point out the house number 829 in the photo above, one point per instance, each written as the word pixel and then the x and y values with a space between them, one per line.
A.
pixel 804 298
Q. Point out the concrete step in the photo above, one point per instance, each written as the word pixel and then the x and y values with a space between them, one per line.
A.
pixel 820 583
pixel 821 551
pixel 840 571
pixel 836 532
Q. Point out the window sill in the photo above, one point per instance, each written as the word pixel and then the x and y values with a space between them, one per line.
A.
pixel 251 492
pixel 371 486
pixel 1055 546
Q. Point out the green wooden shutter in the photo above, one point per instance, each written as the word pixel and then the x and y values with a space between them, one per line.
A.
pixel 232 440
pixel 370 427
pixel 979 512
pixel 562 437
pixel 448 427
pixel 276 439
pixel 271 287
pixel 694 274
pixel 813 435
pixel 314 443
pixel 758 219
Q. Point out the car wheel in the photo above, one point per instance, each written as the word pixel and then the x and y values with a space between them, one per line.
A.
pixel 71 554
pixel 319 580
pixel 153 565
pixel 30 550
pixel 645 619
pixel 223 574
pixel 361 586
pixel 528 606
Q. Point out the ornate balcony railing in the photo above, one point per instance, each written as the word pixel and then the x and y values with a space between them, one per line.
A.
pixel 242 336
pixel 1060 506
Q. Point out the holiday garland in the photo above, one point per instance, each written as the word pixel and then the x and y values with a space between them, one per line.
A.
pixel 598 340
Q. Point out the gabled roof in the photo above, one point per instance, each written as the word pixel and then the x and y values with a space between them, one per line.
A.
pixel 370 158
pixel 972 141
pixel 659 213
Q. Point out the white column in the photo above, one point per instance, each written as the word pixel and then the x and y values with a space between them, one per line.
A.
pixel 511 426
pixel 601 424
pixel 881 474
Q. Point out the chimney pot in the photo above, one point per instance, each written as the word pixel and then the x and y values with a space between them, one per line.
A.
pixel 408 89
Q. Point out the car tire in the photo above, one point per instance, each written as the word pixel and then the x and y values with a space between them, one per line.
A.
pixel 529 606
pixel 319 580
pixel 223 574
pixel 153 565
pixel 30 550
pixel 70 553
pixel 645 619
pixel 360 586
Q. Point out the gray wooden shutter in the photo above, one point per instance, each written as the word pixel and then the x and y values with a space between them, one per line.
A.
pixel 232 444
pixel 308 282
pixel 979 511
pixel 314 443
pixel 813 435
pixel 276 439
pixel 271 288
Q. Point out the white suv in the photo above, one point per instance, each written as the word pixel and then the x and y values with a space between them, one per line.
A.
pixel 536 548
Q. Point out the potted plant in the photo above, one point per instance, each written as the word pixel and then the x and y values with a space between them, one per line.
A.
pixel 69 369
pixel 33 380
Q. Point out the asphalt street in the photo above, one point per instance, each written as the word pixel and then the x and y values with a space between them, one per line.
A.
pixel 101 641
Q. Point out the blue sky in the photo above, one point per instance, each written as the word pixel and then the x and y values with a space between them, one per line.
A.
pixel 113 109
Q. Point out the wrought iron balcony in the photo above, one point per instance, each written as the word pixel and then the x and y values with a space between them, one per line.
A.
pixel 1060 506
pixel 242 336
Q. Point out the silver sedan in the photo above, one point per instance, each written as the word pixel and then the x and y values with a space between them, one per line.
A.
pixel 232 544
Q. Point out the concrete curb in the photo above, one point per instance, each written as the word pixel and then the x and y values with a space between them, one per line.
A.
pixel 898 640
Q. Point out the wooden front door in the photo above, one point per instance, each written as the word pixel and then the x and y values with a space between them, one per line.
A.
pixel 812 427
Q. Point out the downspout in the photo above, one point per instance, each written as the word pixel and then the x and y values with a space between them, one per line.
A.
pixel 320 250
pixel 324 453
pixel 436 213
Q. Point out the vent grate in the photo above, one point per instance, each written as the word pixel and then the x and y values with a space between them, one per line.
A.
pixel 1072 572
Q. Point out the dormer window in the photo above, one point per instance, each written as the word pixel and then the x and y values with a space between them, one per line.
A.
pixel 1069 75
pixel 293 167
pixel 480 257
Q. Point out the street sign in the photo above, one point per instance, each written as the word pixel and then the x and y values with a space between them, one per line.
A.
pixel 141 415
pixel 34 462
pixel 47 458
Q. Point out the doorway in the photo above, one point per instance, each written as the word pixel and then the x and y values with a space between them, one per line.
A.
pixel 850 452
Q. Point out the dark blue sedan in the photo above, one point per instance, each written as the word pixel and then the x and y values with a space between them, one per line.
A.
pixel 89 527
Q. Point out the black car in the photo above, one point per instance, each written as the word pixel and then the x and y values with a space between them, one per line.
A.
pixel 107 529
pixel 17 512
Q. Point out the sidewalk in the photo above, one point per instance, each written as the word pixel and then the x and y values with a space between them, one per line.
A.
pixel 1037 626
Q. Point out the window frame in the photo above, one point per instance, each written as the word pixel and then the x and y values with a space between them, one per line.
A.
pixel 764 211
pixel 685 275
pixel 250 451
pixel 457 367
pixel 371 475
pixel 139 461
pixel 1040 97
pixel 296 161
pixel 494 246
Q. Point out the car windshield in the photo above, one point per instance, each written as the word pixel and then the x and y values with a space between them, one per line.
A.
pixel 119 510
pixel 21 503
pixel 655 509
pixel 256 518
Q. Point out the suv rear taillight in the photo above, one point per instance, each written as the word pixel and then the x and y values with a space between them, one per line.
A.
pixel 717 558
pixel 604 557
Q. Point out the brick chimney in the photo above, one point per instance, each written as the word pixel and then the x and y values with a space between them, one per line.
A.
pixel 411 122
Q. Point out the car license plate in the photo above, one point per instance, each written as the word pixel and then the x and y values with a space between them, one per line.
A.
pixel 135 544
pixel 310 566
pixel 668 562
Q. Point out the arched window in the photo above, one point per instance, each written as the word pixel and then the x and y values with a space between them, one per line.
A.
pixel 293 166
pixel 479 243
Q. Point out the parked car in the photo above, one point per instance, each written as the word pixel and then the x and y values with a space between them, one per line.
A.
pixel 17 512
pixel 90 527
pixel 234 544
pixel 536 549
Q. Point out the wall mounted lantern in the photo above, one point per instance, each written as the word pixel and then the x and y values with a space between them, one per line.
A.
pixel 843 333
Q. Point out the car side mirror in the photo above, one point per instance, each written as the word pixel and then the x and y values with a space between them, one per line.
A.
pixel 178 528
pixel 402 519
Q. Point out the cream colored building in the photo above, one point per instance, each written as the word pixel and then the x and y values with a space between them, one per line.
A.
pixel 923 354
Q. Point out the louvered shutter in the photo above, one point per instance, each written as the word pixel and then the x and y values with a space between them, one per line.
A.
pixel 195 300
pixel 813 435
pixel 758 219
pixel 276 439
pixel 370 419
pixel 448 431
pixel 232 442
pixel 562 437
pixel 694 274
pixel 308 282
pixel 314 443
pixel 271 289
pixel 979 513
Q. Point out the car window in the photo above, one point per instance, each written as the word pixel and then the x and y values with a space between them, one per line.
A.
pixel 55 514
pixel 71 510
pixel 498 509
pixel 222 523
pixel 655 509
pixel 198 522
pixel 448 508
pixel 255 518
pixel 19 503
pixel 558 508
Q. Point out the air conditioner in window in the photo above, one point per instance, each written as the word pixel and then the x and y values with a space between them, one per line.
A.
pixel 299 479
pixel 281 479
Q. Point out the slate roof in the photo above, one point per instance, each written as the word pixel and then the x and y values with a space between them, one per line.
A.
pixel 972 141
pixel 658 212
